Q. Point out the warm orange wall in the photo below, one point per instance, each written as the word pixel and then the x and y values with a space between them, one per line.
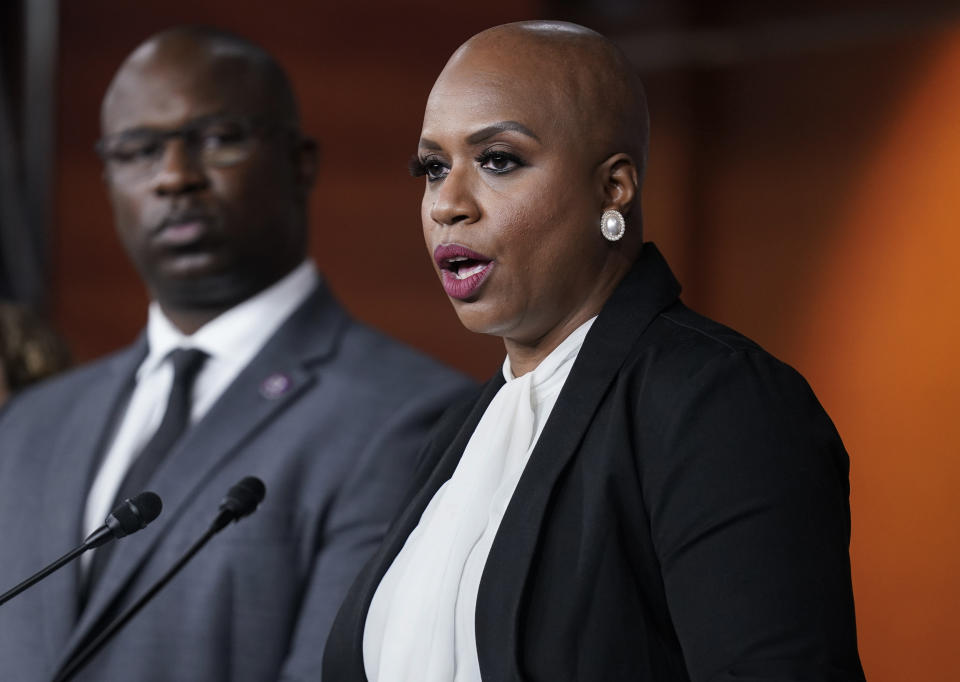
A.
pixel 830 232
pixel 883 340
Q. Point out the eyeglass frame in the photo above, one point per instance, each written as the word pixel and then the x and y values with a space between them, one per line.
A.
pixel 191 133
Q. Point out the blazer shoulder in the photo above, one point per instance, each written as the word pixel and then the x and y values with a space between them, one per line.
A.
pixel 681 322
pixel 321 334
pixel 65 388
pixel 683 344
pixel 684 360
pixel 379 361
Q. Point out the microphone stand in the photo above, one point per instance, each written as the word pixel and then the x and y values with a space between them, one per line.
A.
pixel 81 659
pixel 129 517
pixel 37 577
pixel 241 500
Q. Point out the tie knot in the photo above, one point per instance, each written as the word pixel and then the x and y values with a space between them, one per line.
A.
pixel 186 363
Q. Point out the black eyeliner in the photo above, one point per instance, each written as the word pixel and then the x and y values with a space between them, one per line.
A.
pixel 488 154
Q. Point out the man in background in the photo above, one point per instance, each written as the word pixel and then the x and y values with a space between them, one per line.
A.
pixel 247 366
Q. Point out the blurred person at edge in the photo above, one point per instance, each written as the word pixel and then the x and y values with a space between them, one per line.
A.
pixel 209 174
pixel 641 493
pixel 30 350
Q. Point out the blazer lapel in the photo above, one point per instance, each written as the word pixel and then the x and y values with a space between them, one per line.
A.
pixel 66 484
pixel 276 377
pixel 347 636
pixel 646 290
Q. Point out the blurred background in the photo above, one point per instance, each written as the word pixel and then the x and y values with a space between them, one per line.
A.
pixel 804 183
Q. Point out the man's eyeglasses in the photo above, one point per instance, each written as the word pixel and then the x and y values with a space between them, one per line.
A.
pixel 216 142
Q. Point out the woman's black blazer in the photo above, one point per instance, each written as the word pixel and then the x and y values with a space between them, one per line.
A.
pixel 684 516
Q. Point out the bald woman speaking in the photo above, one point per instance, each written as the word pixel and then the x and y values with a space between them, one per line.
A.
pixel 640 493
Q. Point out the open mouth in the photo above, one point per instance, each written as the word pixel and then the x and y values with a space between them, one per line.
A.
pixel 460 261
pixel 462 267
pixel 462 270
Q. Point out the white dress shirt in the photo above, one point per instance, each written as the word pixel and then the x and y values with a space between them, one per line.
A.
pixel 420 626
pixel 231 340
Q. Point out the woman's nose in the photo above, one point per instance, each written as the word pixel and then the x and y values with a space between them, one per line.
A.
pixel 454 201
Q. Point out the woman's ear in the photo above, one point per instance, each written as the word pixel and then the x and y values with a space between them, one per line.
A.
pixel 620 182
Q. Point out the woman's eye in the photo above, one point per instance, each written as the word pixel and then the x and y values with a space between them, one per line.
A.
pixel 499 162
pixel 434 170
pixel 431 167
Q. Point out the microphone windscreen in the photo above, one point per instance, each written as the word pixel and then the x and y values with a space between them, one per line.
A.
pixel 149 505
pixel 243 498
pixel 135 513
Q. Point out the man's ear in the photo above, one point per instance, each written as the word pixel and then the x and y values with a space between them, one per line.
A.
pixel 307 162
pixel 620 182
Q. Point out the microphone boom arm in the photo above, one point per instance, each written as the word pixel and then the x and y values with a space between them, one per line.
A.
pixel 129 517
pixel 241 500
pixel 91 650
pixel 40 575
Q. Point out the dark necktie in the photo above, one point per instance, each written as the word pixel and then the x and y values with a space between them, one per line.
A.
pixel 176 418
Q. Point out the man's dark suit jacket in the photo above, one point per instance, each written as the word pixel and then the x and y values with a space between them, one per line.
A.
pixel 684 516
pixel 331 416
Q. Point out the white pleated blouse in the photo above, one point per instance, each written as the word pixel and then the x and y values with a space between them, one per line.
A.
pixel 420 626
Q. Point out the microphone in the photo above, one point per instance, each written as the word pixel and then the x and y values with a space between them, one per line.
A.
pixel 241 500
pixel 129 517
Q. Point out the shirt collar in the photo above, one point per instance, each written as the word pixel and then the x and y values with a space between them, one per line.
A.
pixel 560 357
pixel 237 334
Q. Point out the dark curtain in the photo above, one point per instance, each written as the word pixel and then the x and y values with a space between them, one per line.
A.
pixel 27 59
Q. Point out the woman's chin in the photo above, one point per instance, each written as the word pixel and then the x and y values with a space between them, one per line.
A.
pixel 481 317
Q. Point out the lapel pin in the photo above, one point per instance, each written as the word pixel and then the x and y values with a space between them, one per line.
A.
pixel 275 386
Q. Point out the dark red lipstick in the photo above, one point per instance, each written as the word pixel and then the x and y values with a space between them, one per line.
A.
pixel 462 270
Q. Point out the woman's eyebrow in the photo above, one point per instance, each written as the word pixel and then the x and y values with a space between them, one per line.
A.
pixel 426 143
pixel 500 127
pixel 485 133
